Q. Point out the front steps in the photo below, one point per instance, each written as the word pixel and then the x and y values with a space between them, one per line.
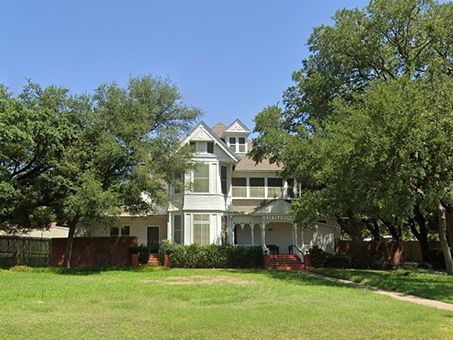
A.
pixel 283 262
pixel 153 260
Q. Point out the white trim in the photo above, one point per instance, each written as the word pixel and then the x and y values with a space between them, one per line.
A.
pixel 214 137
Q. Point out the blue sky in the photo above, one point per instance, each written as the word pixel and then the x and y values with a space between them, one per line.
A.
pixel 230 58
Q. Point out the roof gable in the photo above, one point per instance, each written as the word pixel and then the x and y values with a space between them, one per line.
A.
pixel 237 126
pixel 202 132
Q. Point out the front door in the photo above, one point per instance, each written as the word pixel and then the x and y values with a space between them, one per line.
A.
pixel 153 239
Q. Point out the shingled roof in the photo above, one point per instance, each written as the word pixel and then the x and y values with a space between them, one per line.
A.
pixel 219 128
pixel 246 163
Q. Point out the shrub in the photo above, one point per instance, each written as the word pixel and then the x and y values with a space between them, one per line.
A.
pixel 212 256
pixel 318 257
pixel 338 260
pixel 143 253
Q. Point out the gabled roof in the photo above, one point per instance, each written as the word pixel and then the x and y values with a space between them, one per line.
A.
pixel 248 164
pixel 237 126
pixel 279 206
pixel 203 130
pixel 219 128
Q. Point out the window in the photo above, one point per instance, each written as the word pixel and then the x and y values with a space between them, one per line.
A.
pixel 238 144
pixel 233 143
pixel 223 179
pixel 242 147
pixel 256 187
pixel 239 186
pixel 125 230
pixel 193 146
pixel 290 192
pixel 274 187
pixel 201 228
pixel 177 229
pixel 210 147
pixel 114 231
pixel 201 178
pixel 178 186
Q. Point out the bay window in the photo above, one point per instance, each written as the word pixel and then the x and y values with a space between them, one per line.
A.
pixel 177 229
pixel 223 179
pixel 201 178
pixel 201 228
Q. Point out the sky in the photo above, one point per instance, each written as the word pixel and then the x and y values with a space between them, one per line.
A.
pixel 229 58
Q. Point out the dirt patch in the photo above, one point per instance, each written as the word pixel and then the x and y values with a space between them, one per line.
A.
pixel 201 280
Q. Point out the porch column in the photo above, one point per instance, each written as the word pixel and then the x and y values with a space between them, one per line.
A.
pixel 263 232
pixel 252 234
pixel 295 233
pixel 302 240
pixel 169 228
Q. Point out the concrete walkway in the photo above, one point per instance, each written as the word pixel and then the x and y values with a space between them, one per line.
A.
pixel 396 295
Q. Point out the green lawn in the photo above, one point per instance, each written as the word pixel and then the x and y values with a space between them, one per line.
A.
pixel 216 304
pixel 427 284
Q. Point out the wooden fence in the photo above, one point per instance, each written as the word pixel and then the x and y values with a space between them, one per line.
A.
pixel 28 251
pixel 405 251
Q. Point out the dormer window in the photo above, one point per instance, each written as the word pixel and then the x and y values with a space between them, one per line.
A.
pixel 210 147
pixel 242 145
pixel 238 144
pixel 233 143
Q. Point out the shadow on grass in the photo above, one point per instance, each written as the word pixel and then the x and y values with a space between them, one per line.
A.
pixel 292 277
pixel 82 270
pixel 432 286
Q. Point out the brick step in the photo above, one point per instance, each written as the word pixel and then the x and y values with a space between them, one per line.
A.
pixel 153 260
pixel 287 256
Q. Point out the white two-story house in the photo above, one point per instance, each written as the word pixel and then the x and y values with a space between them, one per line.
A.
pixel 229 198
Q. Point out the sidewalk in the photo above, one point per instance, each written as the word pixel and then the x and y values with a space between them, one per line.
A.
pixel 395 295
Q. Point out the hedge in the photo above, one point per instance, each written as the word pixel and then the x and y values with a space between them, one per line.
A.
pixel 212 256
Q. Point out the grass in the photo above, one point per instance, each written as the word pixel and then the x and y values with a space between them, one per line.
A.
pixel 142 304
pixel 428 284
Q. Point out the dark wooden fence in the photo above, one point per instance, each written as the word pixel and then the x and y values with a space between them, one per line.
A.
pixel 28 251
pixel 405 251
pixel 95 251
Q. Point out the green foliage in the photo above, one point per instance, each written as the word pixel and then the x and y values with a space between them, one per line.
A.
pixel 84 157
pixel 366 260
pixel 143 253
pixel 212 256
pixel 367 127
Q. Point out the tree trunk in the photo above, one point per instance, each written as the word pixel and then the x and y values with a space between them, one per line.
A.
pixel 442 224
pixel 449 215
pixel 421 234
pixel 373 227
pixel 68 251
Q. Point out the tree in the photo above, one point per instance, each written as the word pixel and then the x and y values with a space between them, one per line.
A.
pixel 123 151
pixel 365 129
pixel 34 134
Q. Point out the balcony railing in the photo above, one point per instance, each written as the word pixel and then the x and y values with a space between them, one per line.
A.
pixel 257 192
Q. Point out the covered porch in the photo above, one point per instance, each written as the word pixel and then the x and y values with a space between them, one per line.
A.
pixel 270 227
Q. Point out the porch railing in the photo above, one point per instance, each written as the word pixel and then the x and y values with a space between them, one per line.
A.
pixel 299 252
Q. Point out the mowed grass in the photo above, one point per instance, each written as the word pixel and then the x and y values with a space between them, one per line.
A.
pixel 428 284
pixel 144 304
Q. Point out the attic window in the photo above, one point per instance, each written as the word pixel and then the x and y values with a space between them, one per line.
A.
pixel 233 143
pixel 242 147
pixel 210 147
pixel 238 144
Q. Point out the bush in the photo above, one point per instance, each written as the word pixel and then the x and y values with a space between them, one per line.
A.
pixel 320 258
pixel 143 253
pixel 212 256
